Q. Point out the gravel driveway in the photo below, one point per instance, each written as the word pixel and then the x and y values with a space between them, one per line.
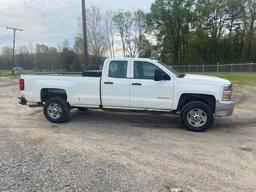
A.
pixel 105 151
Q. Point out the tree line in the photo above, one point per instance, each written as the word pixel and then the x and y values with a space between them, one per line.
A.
pixel 204 31
pixel 174 31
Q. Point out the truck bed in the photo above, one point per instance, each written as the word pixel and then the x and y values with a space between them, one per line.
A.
pixel 82 90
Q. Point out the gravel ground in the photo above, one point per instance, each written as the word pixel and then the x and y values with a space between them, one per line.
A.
pixel 104 151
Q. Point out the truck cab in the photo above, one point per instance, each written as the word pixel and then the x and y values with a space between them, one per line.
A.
pixel 140 84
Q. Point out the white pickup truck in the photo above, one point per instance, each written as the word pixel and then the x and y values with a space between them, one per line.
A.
pixel 133 84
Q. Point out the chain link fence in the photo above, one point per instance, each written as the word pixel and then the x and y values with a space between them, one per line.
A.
pixel 243 67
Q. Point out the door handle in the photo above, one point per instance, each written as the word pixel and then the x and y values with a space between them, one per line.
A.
pixel 108 83
pixel 137 84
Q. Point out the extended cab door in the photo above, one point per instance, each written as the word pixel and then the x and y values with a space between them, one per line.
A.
pixel 115 85
pixel 148 93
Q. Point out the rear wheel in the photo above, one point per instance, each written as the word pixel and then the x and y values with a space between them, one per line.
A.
pixel 56 110
pixel 197 116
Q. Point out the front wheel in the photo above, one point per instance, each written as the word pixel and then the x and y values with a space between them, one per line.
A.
pixel 197 116
pixel 56 110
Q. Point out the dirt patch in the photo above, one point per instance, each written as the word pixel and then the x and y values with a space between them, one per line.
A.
pixel 36 141
pixel 247 149
pixel 105 151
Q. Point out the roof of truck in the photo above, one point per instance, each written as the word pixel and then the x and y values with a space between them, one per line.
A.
pixel 128 58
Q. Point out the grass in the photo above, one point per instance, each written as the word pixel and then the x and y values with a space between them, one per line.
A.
pixel 5 73
pixel 238 79
pixel 8 73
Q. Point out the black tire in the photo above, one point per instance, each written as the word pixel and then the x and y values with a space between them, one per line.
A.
pixel 197 123
pixel 82 108
pixel 62 105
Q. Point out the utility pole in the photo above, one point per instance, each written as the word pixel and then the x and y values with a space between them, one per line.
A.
pixel 14 40
pixel 86 63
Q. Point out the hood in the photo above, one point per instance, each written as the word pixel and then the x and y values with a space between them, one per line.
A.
pixel 206 79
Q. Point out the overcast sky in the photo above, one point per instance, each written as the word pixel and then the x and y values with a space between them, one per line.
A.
pixel 51 21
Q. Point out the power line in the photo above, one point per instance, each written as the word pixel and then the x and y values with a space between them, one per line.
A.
pixel 14 40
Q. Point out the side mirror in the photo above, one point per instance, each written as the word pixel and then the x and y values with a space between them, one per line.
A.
pixel 161 76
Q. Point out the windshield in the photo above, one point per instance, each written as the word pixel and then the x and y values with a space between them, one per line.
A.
pixel 169 68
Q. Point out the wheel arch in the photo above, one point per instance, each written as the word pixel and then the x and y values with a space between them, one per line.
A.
pixel 48 93
pixel 188 97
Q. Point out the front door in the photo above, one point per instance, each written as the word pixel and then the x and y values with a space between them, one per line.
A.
pixel 116 86
pixel 146 93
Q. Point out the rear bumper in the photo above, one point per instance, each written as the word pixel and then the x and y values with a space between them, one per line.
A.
pixel 224 108
pixel 22 100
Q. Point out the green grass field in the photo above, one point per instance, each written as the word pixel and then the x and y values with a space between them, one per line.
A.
pixel 8 73
pixel 238 79
pixel 5 73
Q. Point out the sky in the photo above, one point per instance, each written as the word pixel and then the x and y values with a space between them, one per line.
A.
pixel 51 21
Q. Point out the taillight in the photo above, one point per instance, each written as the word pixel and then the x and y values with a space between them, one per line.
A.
pixel 22 84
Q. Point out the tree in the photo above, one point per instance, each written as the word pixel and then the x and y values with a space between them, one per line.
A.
pixel 145 47
pixel 174 31
pixel 97 39
pixel 212 20
pixel 123 22
pixel 131 27
pixel 23 57
pixel 234 11
pixel 67 58
pixel 249 24
pixel 139 28
pixel 109 29
pixel 6 58
pixel 170 21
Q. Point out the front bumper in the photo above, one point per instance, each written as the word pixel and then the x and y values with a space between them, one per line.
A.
pixel 22 100
pixel 224 108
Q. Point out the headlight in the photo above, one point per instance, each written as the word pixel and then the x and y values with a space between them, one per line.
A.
pixel 227 92
pixel 227 87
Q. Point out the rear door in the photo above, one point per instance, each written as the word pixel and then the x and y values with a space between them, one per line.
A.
pixel 146 93
pixel 115 85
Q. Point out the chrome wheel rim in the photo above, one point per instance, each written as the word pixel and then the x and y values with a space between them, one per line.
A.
pixel 54 110
pixel 197 117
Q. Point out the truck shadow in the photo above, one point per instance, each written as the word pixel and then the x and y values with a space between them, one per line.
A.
pixel 233 123
pixel 150 120
pixel 132 119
